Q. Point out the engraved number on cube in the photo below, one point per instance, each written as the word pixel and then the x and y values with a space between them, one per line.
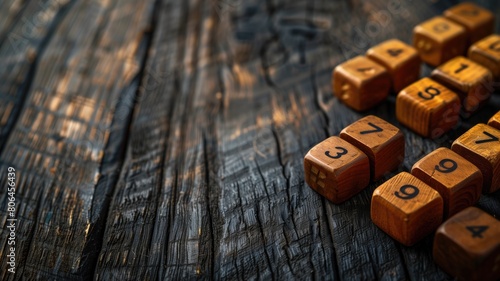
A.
pixel 394 52
pixel 477 231
pixel 317 176
pixel 446 166
pixel 462 67
pixel 429 93
pixel 441 27
pixel 469 13
pixel 408 192
pixel 495 46
pixel 343 151
pixel 366 70
pixel 491 138
pixel 377 129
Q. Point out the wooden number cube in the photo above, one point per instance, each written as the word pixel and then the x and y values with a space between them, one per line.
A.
pixel 457 180
pixel 473 82
pixel 467 246
pixel 406 208
pixel 336 169
pixel 478 22
pixel 401 60
pixel 487 53
pixel 383 143
pixel 481 146
pixel 438 40
pixel 361 83
pixel 428 108
pixel 495 121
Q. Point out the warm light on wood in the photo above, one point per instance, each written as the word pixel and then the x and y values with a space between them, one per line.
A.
pixel 336 169
pixel 428 108
pixel 481 146
pixel 438 40
pixel 361 83
pixel 467 246
pixel 486 52
pixel 381 141
pixel 400 59
pixel 495 121
pixel 406 208
pixel 478 22
pixel 472 81
pixel 457 180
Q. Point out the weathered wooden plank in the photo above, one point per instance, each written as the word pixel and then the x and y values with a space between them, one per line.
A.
pixel 79 97
pixel 128 250
pixel 9 11
pixel 233 95
pixel 21 43
pixel 168 202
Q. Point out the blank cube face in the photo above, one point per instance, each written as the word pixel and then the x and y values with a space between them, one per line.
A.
pixel 406 208
pixel 336 169
pixel 457 180
pixel 478 22
pixel 438 40
pixel 382 142
pixel 481 146
pixel 470 80
pixel 495 121
pixel 361 83
pixel 467 246
pixel 428 108
pixel 486 52
pixel 401 60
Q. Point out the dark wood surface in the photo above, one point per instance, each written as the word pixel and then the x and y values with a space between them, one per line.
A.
pixel 164 139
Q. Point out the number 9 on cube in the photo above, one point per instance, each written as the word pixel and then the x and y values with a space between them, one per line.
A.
pixel 406 208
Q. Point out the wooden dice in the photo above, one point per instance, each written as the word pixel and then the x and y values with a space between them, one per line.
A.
pixel 478 22
pixel 401 60
pixel 406 208
pixel 495 121
pixel 382 142
pixel 481 146
pixel 487 53
pixel 361 83
pixel 457 180
pixel 468 79
pixel 467 246
pixel 428 108
pixel 336 169
pixel 438 40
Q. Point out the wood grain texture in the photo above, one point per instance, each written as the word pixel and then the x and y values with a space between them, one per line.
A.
pixel 478 22
pixel 164 140
pixel 470 80
pixel 428 108
pixel 406 208
pixel 481 146
pixel 439 39
pixel 486 52
pixel 58 143
pixel 495 121
pixel 457 180
pixel 336 169
pixel 382 142
pixel 468 246
pixel 400 59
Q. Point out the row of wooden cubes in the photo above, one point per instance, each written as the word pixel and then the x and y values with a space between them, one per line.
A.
pixel 340 167
pixel 363 82
pixel 442 186
pixel 408 207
